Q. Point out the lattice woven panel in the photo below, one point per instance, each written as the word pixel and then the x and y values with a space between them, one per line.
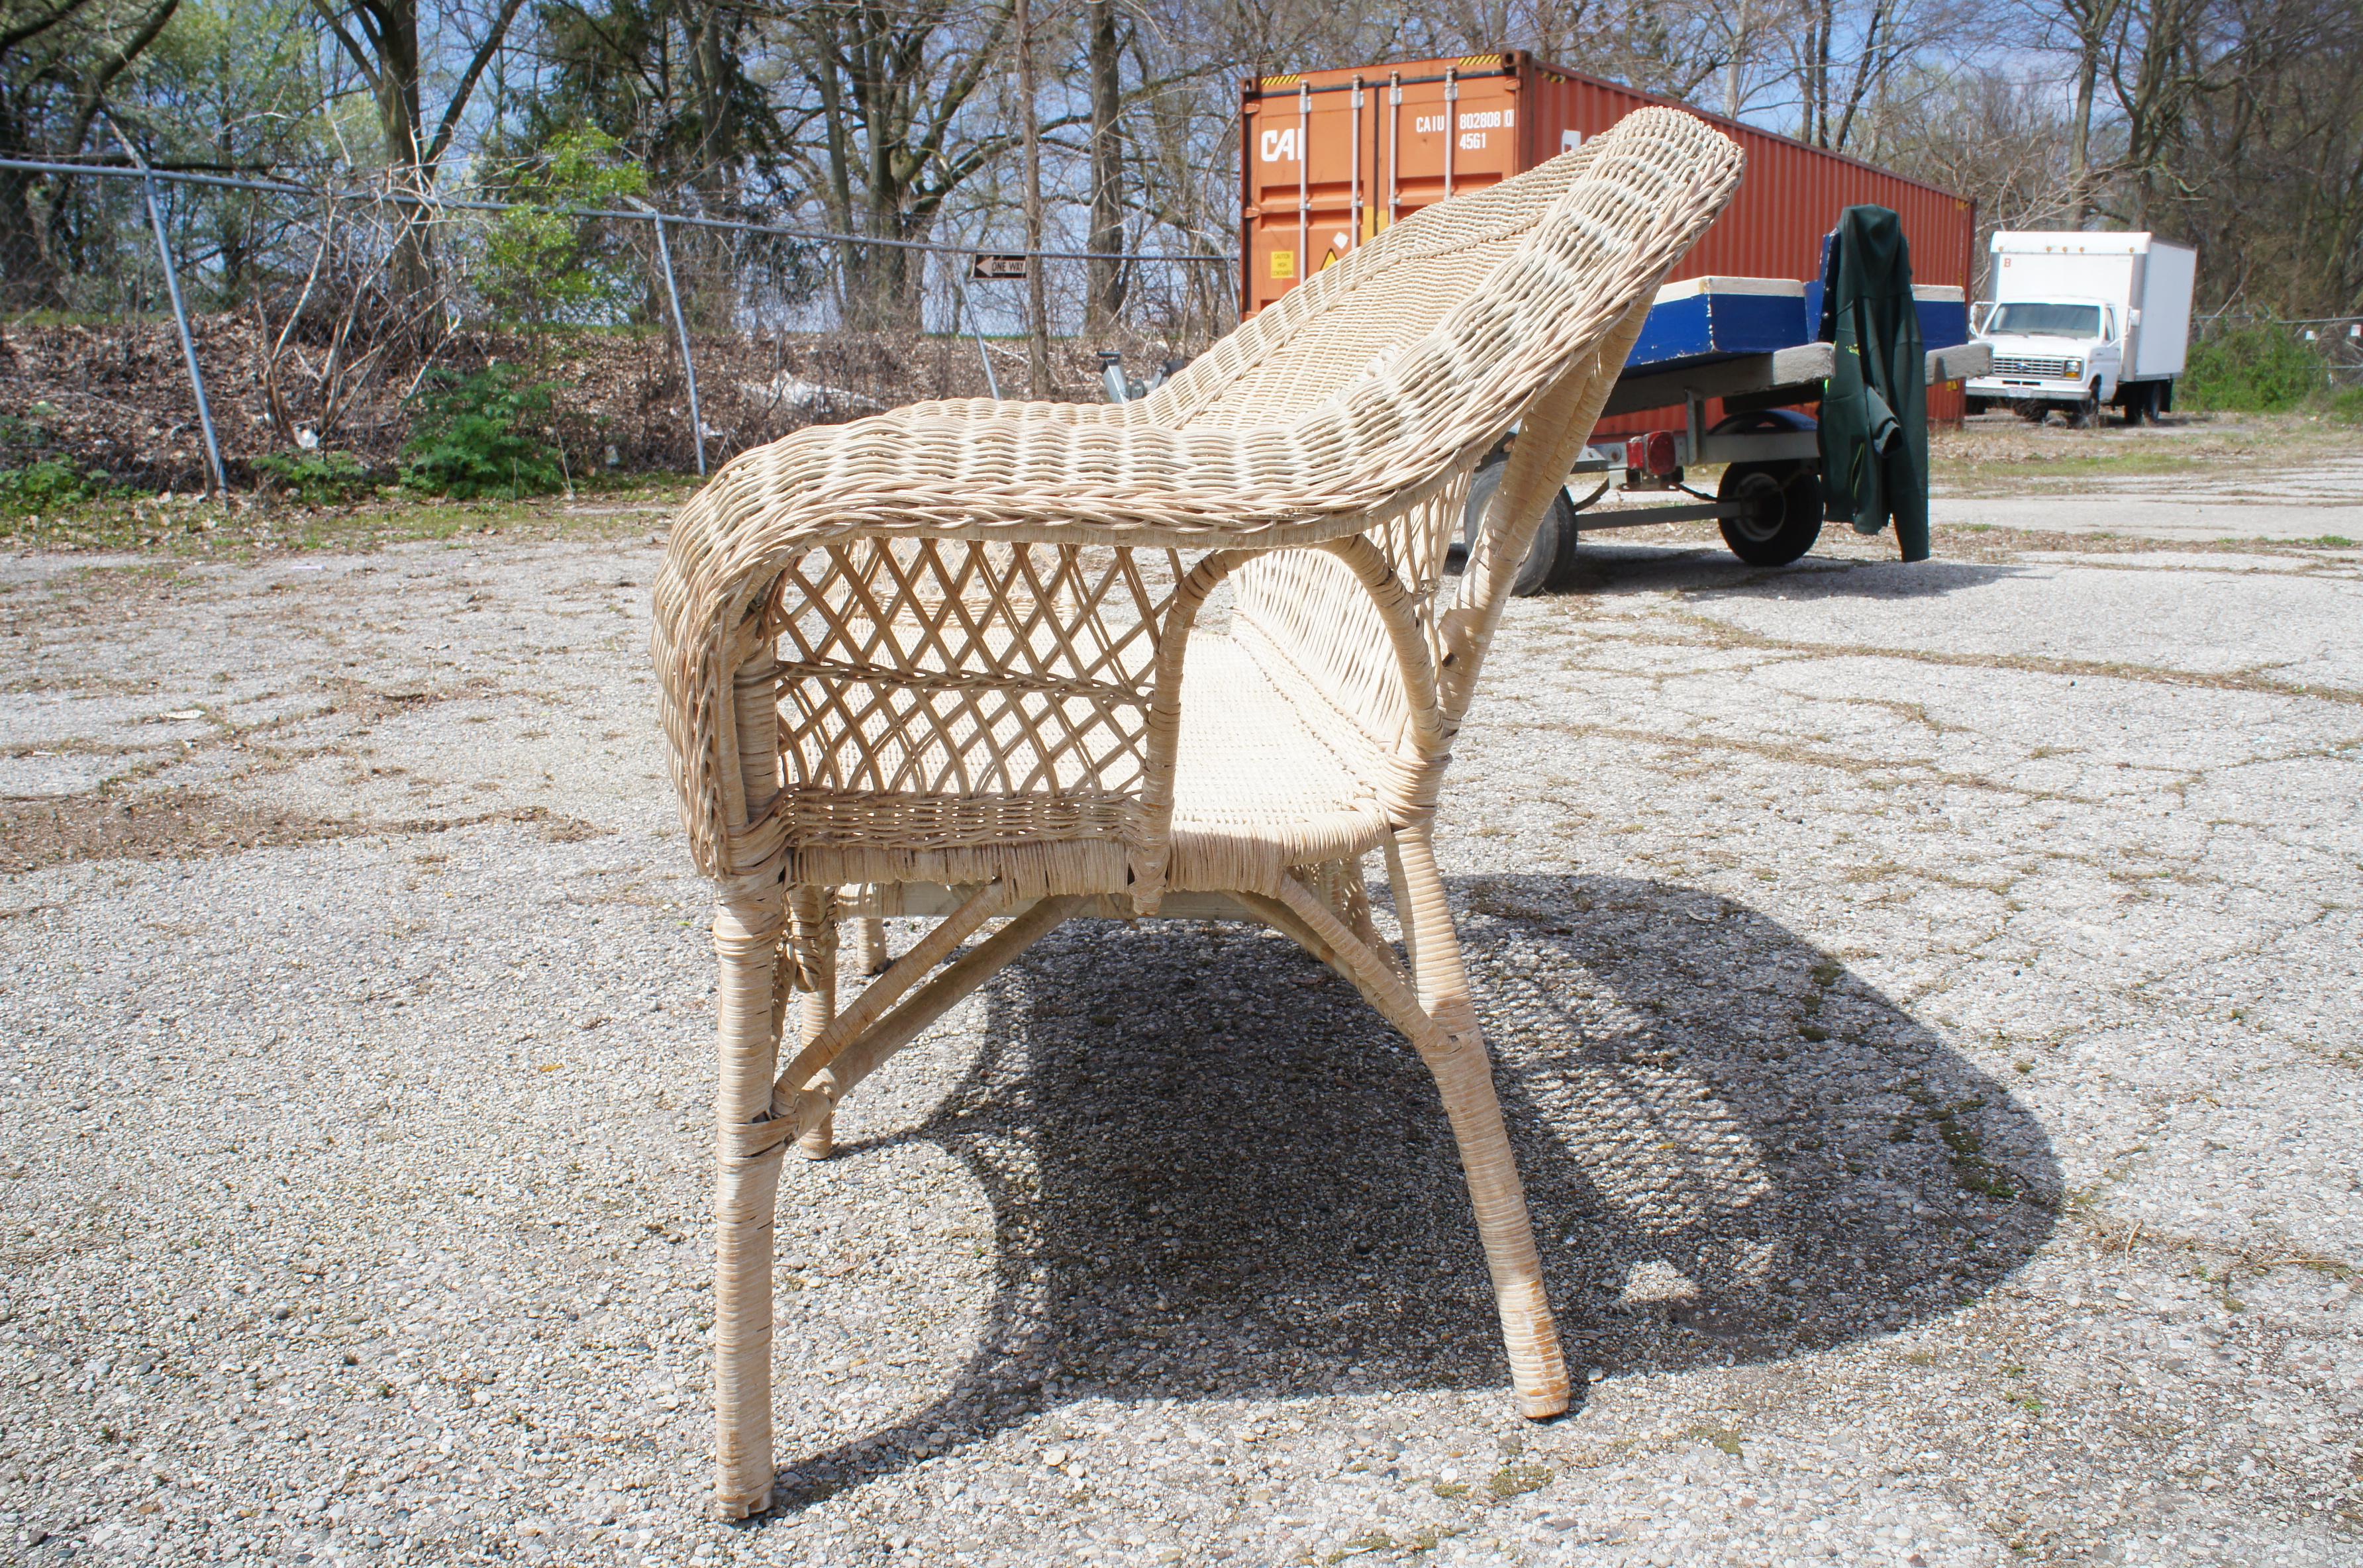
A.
pixel 927 668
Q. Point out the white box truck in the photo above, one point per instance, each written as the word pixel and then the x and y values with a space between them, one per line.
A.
pixel 2080 320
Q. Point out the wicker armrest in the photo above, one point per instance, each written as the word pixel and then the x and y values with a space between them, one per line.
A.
pixel 1016 473
pixel 1041 472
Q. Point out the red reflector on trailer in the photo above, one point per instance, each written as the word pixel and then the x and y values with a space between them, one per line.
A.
pixel 1652 454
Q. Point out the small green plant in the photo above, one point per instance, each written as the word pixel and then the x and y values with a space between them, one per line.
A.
pixel 2256 369
pixel 1514 1480
pixel 477 435
pixel 2346 406
pixel 47 486
pixel 1722 1438
pixel 316 479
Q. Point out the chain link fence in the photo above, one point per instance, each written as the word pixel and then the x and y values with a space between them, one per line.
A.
pixel 308 319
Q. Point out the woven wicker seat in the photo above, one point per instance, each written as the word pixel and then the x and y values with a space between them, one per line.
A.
pixel 1192 656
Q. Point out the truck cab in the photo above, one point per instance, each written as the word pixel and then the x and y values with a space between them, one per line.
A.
pixel 2065 352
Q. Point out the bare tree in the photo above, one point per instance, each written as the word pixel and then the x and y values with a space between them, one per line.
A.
pixel 889 129
pixel 383 40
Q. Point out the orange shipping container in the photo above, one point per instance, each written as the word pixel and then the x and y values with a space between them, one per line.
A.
pixel 1331 157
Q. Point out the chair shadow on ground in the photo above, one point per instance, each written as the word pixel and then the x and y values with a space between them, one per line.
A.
pixel 1242 1183
pixel 1607 566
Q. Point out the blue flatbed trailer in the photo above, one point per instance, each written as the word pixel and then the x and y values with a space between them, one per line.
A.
pixel 1753 343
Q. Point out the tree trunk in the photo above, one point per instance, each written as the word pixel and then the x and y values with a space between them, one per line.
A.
pixel 30 276
pixel 2080 137
pixel 1731 74
pixel 411 268
pixel 1107 279
pixel 1038 324
pixel 709 75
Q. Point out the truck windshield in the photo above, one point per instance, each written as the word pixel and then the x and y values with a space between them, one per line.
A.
pixel 2036 320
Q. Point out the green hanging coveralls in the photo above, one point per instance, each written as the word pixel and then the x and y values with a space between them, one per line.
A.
pixel 1874 424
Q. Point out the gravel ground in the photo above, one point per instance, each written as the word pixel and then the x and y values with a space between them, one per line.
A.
pixel 1927 998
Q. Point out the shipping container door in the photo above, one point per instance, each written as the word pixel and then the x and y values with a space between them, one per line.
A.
pixel 1332 160
pixel 1301 186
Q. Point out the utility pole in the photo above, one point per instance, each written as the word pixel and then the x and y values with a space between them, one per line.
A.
pixel 1038 334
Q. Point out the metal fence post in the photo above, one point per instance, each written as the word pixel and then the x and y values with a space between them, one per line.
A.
pixel 180 311
pixel 976 327
pixel 681 329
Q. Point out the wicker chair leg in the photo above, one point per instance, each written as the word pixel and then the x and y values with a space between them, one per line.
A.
pixel 811 943
pixel 1464 1076
pixel 746 942
pixel 870 955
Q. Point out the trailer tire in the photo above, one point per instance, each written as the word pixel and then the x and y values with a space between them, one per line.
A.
pixel 1550 559
pixel 1783 511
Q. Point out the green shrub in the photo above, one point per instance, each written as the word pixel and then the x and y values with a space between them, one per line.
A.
pixel 2346 406
pixel 47 486
pixel 542 264
pixel 2258 368
pixel 316 479
pixel 477 435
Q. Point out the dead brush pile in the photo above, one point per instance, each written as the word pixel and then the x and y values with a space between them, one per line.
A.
pixel 111 398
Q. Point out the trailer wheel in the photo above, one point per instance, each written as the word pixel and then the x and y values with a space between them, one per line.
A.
pixel 1550 559
pixel 1781 510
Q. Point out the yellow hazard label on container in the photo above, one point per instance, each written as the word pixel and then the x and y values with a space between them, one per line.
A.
pixel 1283 263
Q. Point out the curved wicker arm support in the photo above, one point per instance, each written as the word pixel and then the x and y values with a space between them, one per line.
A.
pixel 1555 429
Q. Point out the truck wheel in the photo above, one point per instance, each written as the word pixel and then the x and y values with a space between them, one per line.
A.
pixel 1554 538
pixel 2087 415
pixel 1781 510
pixel 2141 404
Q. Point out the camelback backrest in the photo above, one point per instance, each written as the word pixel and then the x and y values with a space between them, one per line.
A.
pixel 1338 325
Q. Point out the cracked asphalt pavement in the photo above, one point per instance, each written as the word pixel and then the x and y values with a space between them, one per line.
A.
pixel 1925 995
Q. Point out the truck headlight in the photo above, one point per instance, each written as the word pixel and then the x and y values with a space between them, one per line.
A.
pixel 2075 370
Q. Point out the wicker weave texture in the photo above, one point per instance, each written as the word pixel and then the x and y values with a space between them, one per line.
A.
pixel 1027 662
pixel 1451 322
